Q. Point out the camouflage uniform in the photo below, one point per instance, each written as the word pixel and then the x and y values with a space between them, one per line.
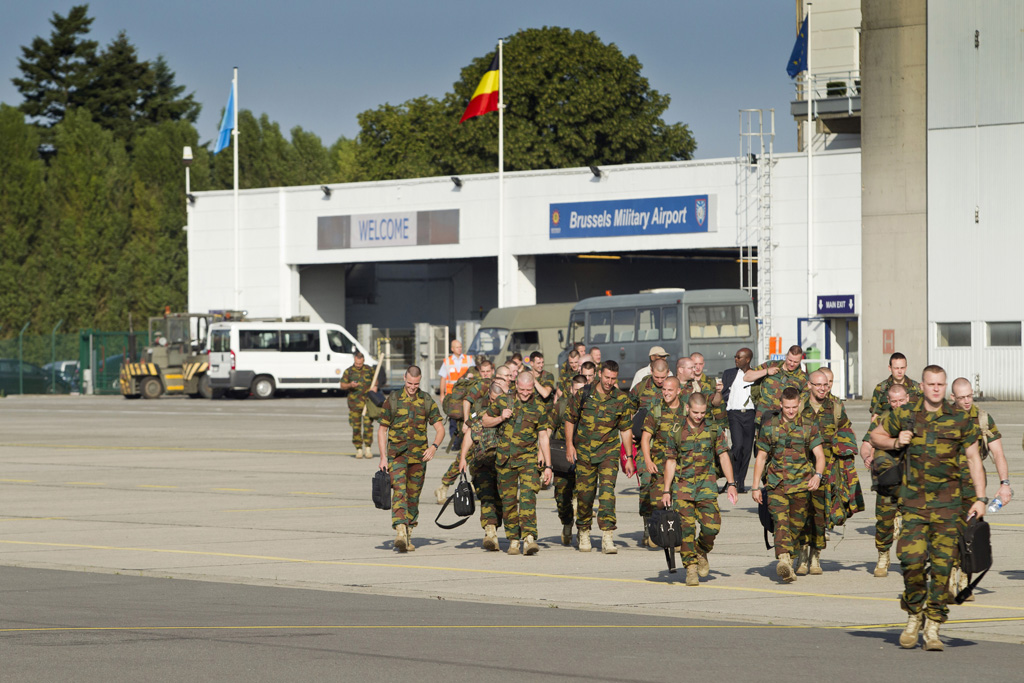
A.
pixel 695 450
pixel 407 419
pixel 790 468
pixel 516 459
pixel 886 507
pixel 930 500
pixel 880 397
pixel 662 423
pixel 772 386
pixel 644 395
pixel 834 501
pixel 565 482
pixel 546 379
pixel 478 387
pixel 482 466
pixel 716 414
pixel 362 427
pixel 598 423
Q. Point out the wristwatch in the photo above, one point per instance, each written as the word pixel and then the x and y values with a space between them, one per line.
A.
pixel 983 500
pixel 1004 482
pixel 730 483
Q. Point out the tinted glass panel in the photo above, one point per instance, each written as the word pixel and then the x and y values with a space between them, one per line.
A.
pixel 1004 334
pixel 669 323
pixel 258 340
pixel 300 341
pixel 954 334
pixel 600 327
pixel 647 325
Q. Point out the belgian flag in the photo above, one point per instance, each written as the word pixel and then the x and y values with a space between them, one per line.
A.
pixel 485 98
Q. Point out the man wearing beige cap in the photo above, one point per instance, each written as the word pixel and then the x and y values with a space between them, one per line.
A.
pixel 654 354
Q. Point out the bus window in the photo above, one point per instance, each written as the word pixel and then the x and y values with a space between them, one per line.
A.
pixel 525 343
pixel 257 340
pixel 624 325
pixel 647 325
pixel 300 340
pixel 577 324
pixel 669 323
pixel 600 327
pixel 722 321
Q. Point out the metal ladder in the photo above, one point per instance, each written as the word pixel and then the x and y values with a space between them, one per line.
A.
pixel 754 216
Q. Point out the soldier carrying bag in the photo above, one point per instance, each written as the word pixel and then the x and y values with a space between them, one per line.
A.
pixel 764 514
pixel 381 493
pixel 665 527
pixel 462 501
pixel 975 544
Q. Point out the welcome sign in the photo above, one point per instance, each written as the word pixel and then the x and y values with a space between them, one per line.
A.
pixel 631 217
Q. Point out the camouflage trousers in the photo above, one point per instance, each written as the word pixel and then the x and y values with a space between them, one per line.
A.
pixel 706 514
pixel 518 483
pixel 596 481
pixel 362 427
pixel 485 481
pixel 926 546
pixel 565 490
pixel 407 475
pixel 886 509
pixel 650 485
pixel 792 513
pixel 452 473
pixel 813 532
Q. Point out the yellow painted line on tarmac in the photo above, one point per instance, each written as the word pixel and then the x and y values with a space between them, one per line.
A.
pixel 233 489
pixel 18 481
pixel 1005 524
pixel 469 570
pixel 313 507
pixel 85 483
pixel 309 493
pixel 172 449
pixel 155 486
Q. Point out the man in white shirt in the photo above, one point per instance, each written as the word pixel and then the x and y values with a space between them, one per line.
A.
pixel 739 407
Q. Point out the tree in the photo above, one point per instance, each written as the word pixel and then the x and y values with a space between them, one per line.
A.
pixel 571 100
pixel 343 161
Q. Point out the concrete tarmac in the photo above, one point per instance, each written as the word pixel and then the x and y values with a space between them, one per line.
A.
pixel 268 493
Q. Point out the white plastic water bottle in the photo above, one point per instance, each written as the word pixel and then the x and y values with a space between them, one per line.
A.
pixel 995 505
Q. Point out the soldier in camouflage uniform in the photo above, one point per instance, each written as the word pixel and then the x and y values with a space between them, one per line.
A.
pixel 712 390
pixel 479 447
pixel 598 423
pixel 690 461
pixel 476 381
pixel 524 429
pixel 569 369
pixel 897 376
pixel 887 511
pixel 792 443
pixel 402 438
pixel 941 442
pixel 544 382
pixel 357 379
pixel 645 394
pixel 771 379
pixel 565 483
pixel 990 441
pixel 665 418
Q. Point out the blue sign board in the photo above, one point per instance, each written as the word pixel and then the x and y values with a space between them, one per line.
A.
pixel 836 305
pixel 629 217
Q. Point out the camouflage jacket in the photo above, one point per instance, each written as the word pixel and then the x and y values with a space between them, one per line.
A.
pixel 772 387
pixel 518 435
pixel 662 423
pixel 936 460
pixel 546 379
pixel 363 377
pixel 477 394
pixel 645 393
pixel 407 419
pixel 557 416
pixel 599 421
pixel 484 438
pixel 833 424
pixel 708 387
pixel 789 446
pixel 695 451
pixel 880 397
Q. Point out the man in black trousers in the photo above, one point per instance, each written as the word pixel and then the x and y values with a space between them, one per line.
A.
pixel 739 407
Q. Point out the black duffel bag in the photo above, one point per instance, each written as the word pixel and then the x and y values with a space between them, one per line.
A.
pixel 381 494
pixel 764 514
pixel 462 501
pixel 560 464
pixel 975 544
pixel 665 527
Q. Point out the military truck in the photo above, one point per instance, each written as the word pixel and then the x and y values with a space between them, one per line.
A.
pixel 176 361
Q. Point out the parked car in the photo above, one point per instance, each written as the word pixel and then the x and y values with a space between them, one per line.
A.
pixel 69 369
pixel 33 379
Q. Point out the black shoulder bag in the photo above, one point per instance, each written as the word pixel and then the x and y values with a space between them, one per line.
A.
pixel 975 554
pixel 462 501
pixel 665 527
pixel 381 494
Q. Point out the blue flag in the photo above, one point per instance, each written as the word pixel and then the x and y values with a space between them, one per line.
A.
pixel 798 60
pixel 226 124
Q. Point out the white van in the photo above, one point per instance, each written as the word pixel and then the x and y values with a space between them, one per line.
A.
pixel 264 357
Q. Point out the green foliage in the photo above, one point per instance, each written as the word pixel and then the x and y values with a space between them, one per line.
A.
pixel 570 101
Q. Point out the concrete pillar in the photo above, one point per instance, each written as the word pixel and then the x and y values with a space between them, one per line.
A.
pixel 894 199
pixel 525 281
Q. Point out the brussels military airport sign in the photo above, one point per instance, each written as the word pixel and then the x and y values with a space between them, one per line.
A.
pixel 632 217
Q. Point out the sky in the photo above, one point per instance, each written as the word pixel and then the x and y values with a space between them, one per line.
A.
pixel 318 64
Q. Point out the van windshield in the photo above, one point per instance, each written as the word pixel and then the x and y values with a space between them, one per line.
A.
pixel 488 341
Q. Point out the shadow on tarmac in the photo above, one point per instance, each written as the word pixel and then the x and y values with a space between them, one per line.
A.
pixel 892 637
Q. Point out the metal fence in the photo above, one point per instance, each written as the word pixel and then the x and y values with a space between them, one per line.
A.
pixel 29 363
pixel 101 354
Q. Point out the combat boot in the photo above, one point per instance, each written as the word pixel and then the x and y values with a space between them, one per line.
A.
pixel 567 534
pixel 408 539
pixel 815 561
pixel 785 568
pixel 692 575
pixel 608 544
pixel 803 557
pixel 402 538
pixel 647 538
pixel 513 547
pixel 703 568
pixel 931 636
pixel 530 546
pixel 441 493
pixel 908 639
pixel 882 568
pixel 962 582
pixel 490 537
pixel 583 540
pixel 359 452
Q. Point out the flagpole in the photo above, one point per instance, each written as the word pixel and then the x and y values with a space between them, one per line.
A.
pixel 234 134
pixel 502 299
pixel 810 176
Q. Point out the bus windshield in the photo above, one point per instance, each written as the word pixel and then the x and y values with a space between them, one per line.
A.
pixel 488 341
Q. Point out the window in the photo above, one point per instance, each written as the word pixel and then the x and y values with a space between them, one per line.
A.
pixel 577 324
pixel 600 327
pixel 488 342
pixel 1003 334
pixel 669 323
pixel 624 325
pixel 300 341
pixel 220 341
pixel 524 343
pixel 715 322
pixel 258 340
pixel 647 325
pixel 954 334
pixel 339 343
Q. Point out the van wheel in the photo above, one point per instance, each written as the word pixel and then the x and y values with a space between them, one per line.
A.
pixel 205 390
pixel 151 388
pixel 263 387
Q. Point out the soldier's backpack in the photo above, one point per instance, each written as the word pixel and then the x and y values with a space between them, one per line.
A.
pixel 452 404
pixel 975 554
pixel 665 527
pixel 462 501
pixel 888 472
pixel 381 493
